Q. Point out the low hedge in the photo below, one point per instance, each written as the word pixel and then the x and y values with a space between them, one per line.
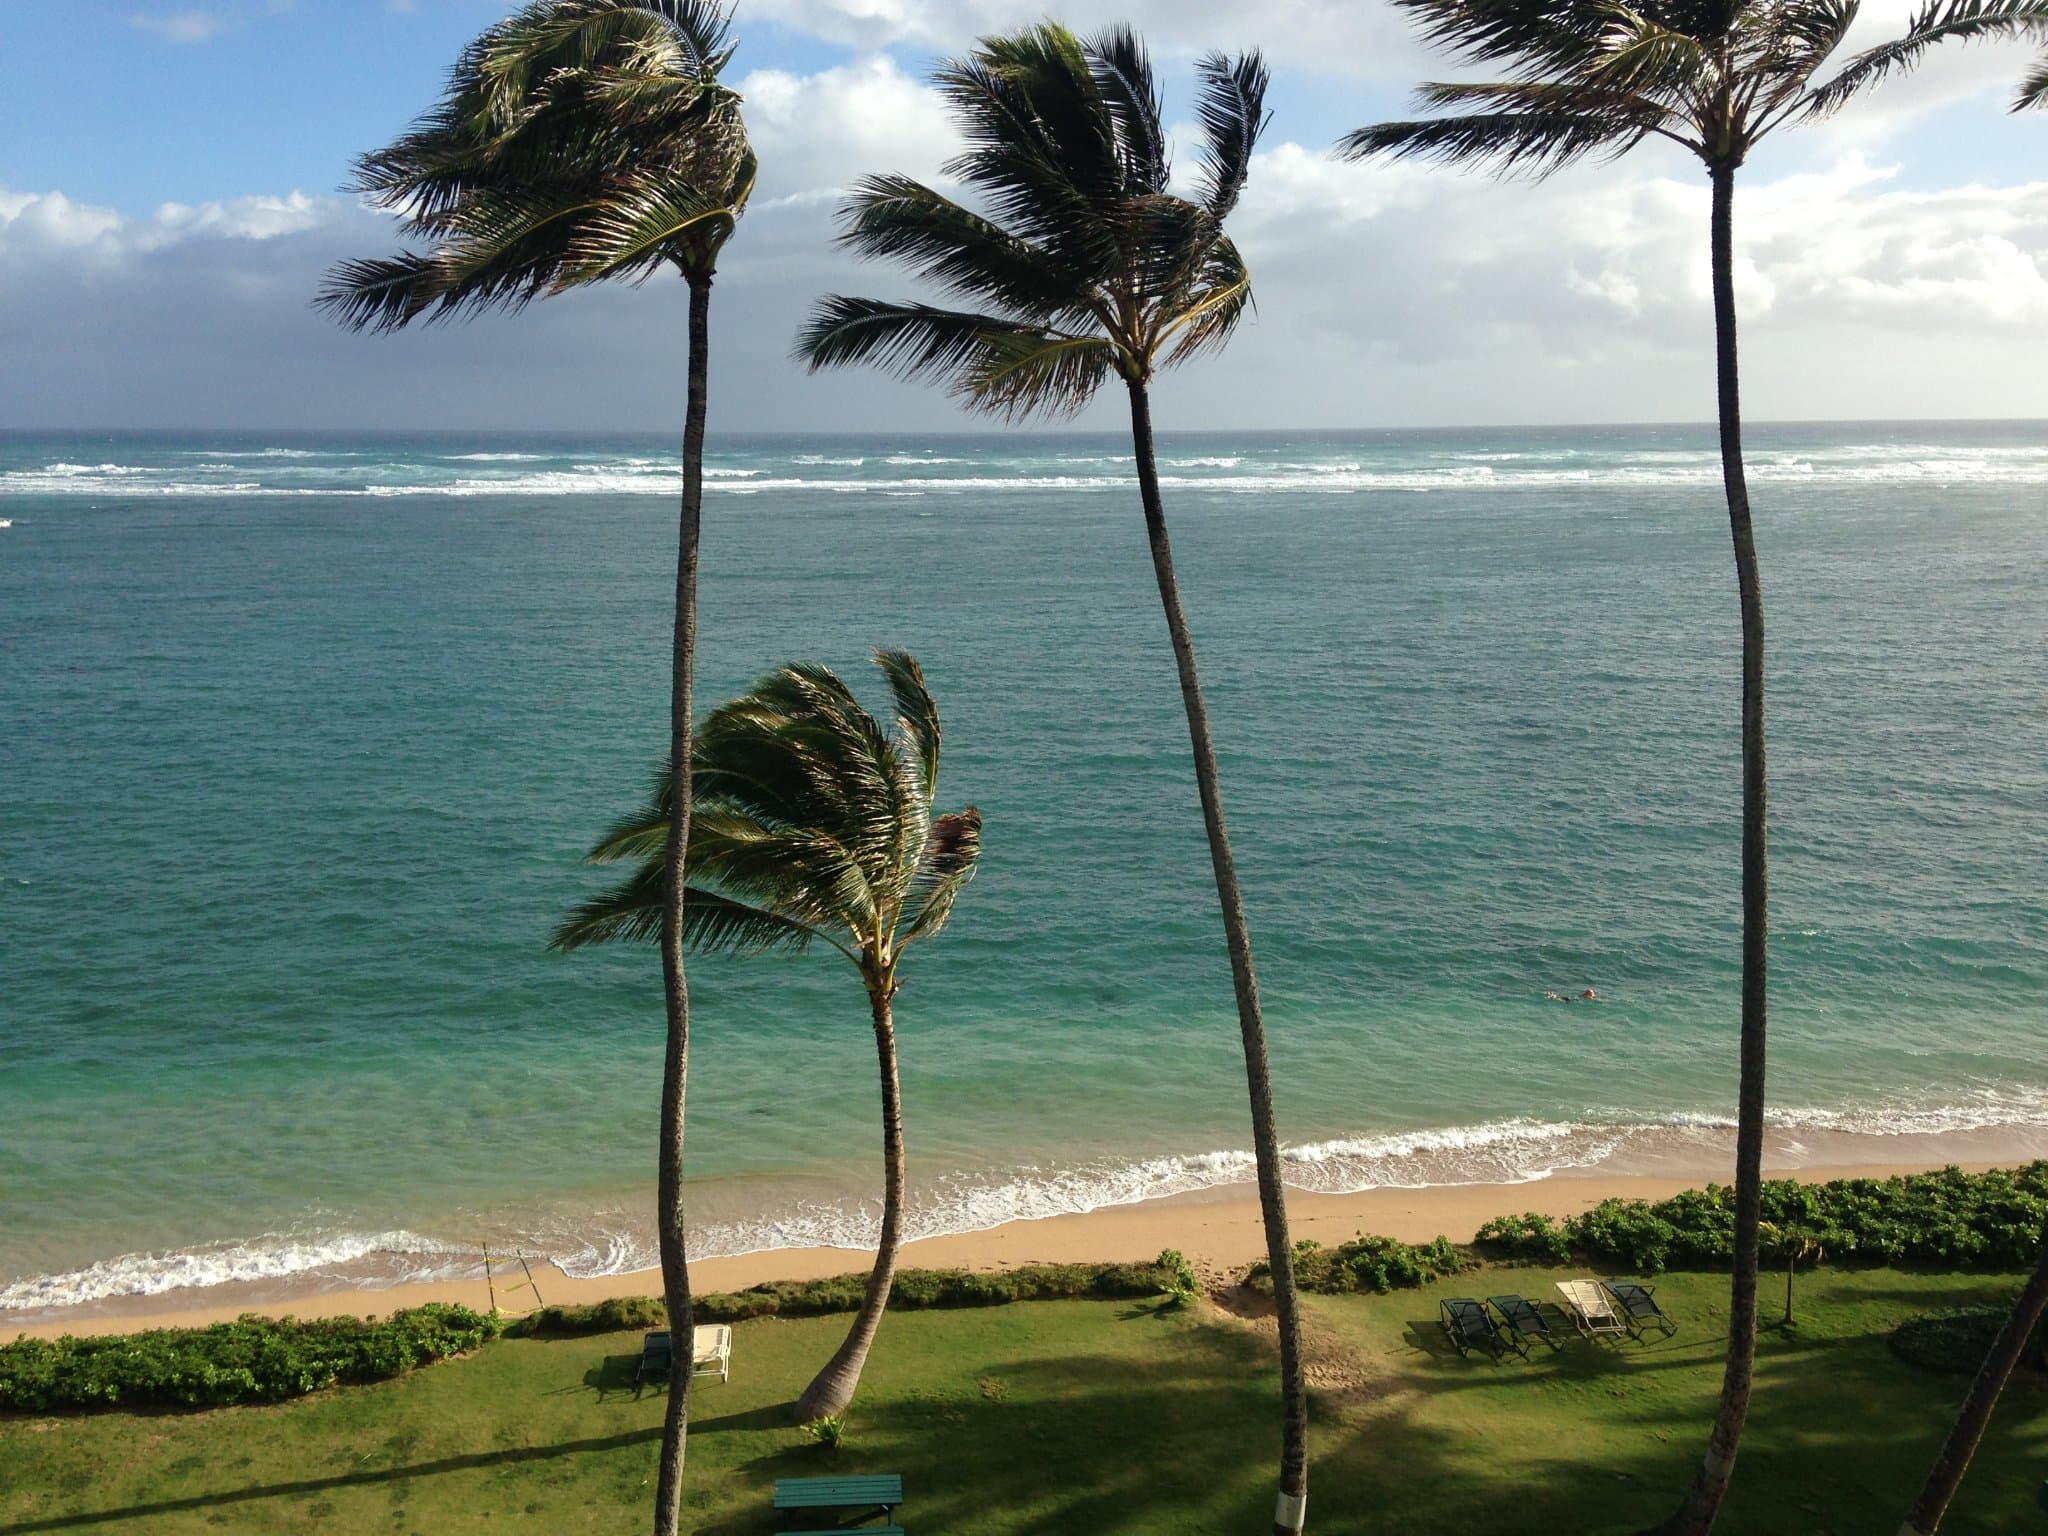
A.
pixel 914 1289
pixel 251 1360
pixel 1366 1263
pixel 1988 1221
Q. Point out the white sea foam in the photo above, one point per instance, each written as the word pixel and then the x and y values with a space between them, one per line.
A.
pixel 1224 475
pixel 272 1257
pixel 1510 1151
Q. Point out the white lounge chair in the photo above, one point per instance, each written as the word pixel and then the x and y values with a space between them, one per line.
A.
pixel 711 1351
pixel 1591 1309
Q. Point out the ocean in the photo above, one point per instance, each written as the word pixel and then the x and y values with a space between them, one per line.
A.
pixel 302 738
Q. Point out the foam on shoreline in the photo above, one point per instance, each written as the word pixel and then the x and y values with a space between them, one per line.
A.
pixel 1997 1127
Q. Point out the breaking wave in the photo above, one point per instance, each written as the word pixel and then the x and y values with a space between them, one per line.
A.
pixel 609 1242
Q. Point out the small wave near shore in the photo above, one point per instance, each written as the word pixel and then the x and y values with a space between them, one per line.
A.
pixel 1996 1126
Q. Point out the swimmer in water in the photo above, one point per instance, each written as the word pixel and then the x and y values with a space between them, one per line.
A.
pixel 1589 996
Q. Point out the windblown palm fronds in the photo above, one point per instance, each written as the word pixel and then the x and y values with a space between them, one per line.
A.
pixel 1590 79
pixel 811 822
pixel 578 141
pixel 1080 265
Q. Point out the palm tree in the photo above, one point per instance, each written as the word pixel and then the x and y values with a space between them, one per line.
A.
pixel 812 823
pixel 580 141
pixel 1082 267
pixel 1594 79
pixel 1946 1475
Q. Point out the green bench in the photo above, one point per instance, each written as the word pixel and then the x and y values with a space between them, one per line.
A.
pixel 834 1504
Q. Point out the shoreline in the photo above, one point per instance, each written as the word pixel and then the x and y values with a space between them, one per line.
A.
pixel 1218 1229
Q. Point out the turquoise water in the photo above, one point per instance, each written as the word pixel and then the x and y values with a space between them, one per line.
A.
pixel 301 739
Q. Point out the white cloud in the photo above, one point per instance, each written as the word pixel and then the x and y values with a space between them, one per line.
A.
pixel 36 225
pixel 182 26
pixel 1339 37
pixel 816 133
pixel 1387 295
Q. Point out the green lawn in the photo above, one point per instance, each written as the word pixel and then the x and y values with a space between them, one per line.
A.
pixel 1077 1417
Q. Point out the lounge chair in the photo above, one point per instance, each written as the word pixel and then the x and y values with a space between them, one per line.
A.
pixel 657 1358
pixel 710 1354
pixel 1524 1322
pixel 1590 1309
pixel 1639 1307
pixel 1467 1324
pixel 711 1351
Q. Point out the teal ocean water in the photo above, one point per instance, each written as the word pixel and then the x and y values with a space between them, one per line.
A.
pixel 301 739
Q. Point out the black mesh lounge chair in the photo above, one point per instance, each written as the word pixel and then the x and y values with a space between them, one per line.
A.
pixel 1468 1324
pixel 1524 1322
pixel 1639 1307
pixel 657 1358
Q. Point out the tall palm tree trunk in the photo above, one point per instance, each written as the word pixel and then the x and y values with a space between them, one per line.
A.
pixel 1703 1501
pixel 1290 1509
pixel 675 1071
pixel 832 1391
pixel 1924 1518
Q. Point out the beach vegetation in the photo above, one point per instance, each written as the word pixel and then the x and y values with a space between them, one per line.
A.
pixel 578 142
pixel 912 1290
pixel 814 823
pixel 1072 266
pixel 1367 1263
pixel 1588 79
pixel 1530 1238
pixel 250 1360
pixel 827 1430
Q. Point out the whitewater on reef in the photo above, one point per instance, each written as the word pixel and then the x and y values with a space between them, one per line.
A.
pixel 357 705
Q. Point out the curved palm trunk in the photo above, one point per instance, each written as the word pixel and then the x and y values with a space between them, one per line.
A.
pixel 1924 1518
pixel 675 1072
pixel 1703 1501
pixel 1290 1510
pixel 832 1391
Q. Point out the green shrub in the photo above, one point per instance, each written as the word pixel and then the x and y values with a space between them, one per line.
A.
pixel 1183 1285
pixel 913 1289
pixel 251 1360
pixel 1531 1238
pixel 1366 1263
pixel 1964 1220
pixel 828 1431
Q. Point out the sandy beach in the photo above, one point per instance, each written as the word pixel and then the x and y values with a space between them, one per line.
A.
pixel 1218 1229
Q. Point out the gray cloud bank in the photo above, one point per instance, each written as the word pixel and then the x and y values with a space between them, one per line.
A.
pixel 1386 297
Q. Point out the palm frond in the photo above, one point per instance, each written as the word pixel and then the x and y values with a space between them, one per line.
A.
pixel 809 820
pixel 894 218
pixel 1230 104
pixel 2033 86
pixel 1534 142
pixel 916 713
pixel 378 294
pixel 1071 259
pixel 989 363
pixel 1539 34
pixel 1122 72
pixel 578 140
pixel 631 911
pixel 1217 303
pixel 949 859
pixel 1939 21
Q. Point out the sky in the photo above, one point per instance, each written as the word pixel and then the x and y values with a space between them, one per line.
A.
pixel 171 177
